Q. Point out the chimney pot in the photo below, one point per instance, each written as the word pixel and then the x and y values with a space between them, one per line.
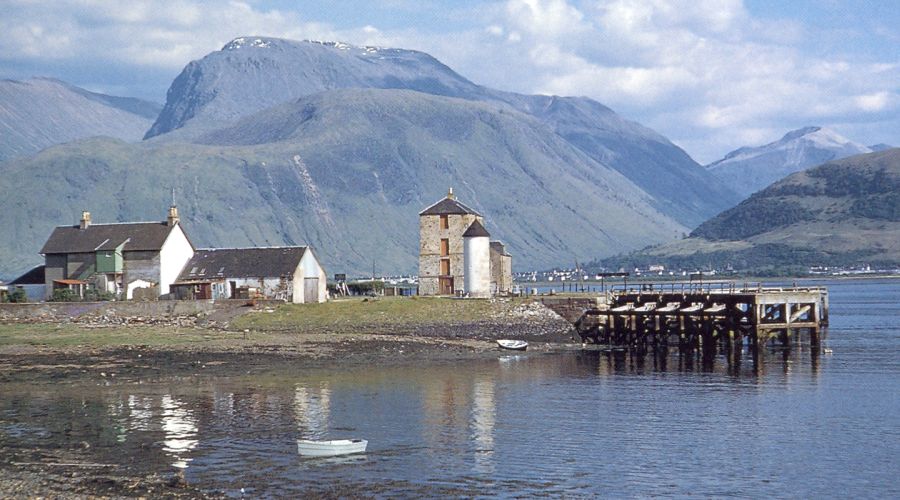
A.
pixel 173 216
pixel 450 194
pixel 85 220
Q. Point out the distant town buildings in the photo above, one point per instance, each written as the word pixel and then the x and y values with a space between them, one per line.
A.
pixel 456 255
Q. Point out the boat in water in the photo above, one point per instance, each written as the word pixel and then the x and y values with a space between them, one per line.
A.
pixel 512 345
pixel 331 448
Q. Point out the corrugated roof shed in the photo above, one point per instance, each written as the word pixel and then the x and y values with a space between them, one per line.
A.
pixel 137 236
pixel 220 263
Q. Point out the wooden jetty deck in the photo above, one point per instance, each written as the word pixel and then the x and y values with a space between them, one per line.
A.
pixel 698 317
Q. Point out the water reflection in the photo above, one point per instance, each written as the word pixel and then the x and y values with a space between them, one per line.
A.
pixel 312 408
pixel 180 428
pixel 597 423
pixel 484 414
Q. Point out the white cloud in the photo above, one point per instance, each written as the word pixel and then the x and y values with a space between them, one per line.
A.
pixel 705 73
pixel 161 34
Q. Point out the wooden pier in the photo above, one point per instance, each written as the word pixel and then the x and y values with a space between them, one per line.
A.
pixel 699 318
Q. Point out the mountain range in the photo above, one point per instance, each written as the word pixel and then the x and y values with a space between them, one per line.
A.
pixel 844 212
pixel 271 141
pixel 749 169
pixel 41 112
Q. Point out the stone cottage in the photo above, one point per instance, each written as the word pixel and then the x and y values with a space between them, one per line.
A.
pixel 453 242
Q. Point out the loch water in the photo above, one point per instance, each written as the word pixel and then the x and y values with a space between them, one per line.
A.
pixel 574 423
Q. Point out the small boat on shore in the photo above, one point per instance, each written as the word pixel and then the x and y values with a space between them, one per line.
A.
pixel 512 345
pixel 331 448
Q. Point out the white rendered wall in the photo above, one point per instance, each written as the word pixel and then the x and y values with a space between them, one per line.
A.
pixel 309 268
pixel 174 254
pixel 477 257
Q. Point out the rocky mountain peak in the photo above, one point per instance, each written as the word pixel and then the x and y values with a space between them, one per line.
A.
pixel 751 168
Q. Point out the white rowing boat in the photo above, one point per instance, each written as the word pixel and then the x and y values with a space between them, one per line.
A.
pixel 331 448
pixel 513 345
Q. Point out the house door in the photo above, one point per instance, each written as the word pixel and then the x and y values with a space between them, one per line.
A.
pixel 445 286
pixel 310 290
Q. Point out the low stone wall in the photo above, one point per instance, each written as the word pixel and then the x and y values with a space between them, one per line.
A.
pixel 570 308
pixel 50 311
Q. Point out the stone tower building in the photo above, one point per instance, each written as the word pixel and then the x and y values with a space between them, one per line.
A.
pixel 441 261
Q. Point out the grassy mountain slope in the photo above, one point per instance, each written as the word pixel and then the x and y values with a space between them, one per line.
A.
pixel 253 74
pixel 42 112
pixel 841 213
pixel 346 171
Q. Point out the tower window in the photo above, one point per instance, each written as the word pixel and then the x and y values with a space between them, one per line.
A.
pixel 445 222
pixel 445 247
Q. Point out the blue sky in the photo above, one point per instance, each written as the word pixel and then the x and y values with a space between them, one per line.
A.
pixel 711 75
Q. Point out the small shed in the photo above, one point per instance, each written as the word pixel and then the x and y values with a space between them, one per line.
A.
pixel 292 274
pixel 32 283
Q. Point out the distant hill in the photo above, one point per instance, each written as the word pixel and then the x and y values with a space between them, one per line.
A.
pixel 749 169
pixel 41 112
pixel 346 171
pixel 880 147
pixel 841 213
pixel 251 74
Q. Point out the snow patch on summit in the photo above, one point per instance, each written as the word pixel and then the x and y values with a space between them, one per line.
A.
pixel 750 169
pixel 239 43
pixel 368 49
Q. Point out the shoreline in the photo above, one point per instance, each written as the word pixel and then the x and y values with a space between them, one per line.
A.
pixel 108 346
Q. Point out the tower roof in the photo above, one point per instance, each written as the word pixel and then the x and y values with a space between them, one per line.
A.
pixel 476 230
pixel 448 206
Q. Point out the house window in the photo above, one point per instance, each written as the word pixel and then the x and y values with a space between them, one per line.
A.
pixel 445 267
pixel 445 247
pixel 445 222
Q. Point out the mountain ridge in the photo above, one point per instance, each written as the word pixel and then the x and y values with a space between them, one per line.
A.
pixel 843 212
pixel 41 112
pixel 751 168
pixel 248 77
pixel 295 190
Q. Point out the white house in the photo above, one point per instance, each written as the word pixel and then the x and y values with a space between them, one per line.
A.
pixel 289 273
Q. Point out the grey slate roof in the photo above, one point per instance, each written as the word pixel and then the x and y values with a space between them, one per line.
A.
pixel 140 236
pixel 476 230
pixel 499 247
pixel 34 276
pixel 448 206
pixel 223 263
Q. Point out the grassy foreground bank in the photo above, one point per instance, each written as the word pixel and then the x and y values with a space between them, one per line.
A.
pixel 292 326
pixel 350 314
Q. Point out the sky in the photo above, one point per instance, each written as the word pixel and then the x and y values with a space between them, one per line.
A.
pixel 711 75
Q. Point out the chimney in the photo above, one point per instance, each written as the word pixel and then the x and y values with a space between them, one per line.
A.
pixel 85 220
pixel 173 216
pixel 450 195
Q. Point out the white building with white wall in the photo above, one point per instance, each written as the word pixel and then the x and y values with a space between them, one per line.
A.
pixel 289 273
